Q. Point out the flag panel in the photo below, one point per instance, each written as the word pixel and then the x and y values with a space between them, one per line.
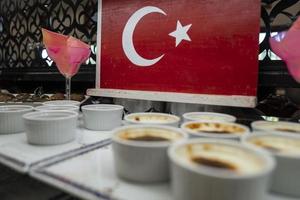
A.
pixel 184 46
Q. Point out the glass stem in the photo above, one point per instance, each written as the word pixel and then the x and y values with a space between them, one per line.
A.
pixel 68 88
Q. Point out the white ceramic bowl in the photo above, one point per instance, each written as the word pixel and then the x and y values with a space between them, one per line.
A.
pixel 144 160
pixel 288 128
pixel 11 118
pixel 62 102
pixel 286 177
pixel 152 119
pixel 102 116
pixel 57 108
pixel 50 127
pixel 208 116
pixel 203 169
pixel 218 130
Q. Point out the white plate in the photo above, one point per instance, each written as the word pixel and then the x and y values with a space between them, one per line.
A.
pixel 91 175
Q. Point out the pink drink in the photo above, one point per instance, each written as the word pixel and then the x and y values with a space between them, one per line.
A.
pixel 68 59
pixel 67 52
pixel 286 46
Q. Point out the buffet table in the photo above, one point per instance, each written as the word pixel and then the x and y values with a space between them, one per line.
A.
pixel 94 177
pixel 84 169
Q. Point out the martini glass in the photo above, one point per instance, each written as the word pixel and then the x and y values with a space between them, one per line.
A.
pixel 67 52
pixel 68 62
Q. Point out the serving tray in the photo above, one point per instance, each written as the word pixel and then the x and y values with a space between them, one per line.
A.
pixel 16 153
pixel 91 175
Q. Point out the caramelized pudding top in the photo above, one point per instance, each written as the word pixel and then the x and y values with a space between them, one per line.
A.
pixel 152 118
pixel 276 144
pixel 215 127
pixel 288 130
pixel 149 134
pixel 221 157
pixel 288 127
pixel 207 116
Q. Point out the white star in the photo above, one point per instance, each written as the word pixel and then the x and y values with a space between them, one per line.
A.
pixel 181 33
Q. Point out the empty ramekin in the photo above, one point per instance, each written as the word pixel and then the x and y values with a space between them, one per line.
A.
pixel 152 119
pixel 102 117
pixel 62 102
pixel 11 118
pixel 50 127
pixel 57 108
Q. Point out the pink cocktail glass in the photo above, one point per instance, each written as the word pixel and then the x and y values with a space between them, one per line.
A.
pixel 286 46
pixel 68 53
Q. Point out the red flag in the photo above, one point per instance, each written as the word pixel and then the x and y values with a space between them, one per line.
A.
pixel 186 46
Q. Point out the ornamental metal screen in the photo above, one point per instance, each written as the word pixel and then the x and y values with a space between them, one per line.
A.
pixel 20 22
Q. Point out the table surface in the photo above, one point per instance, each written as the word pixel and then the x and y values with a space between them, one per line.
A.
pixel 93 164
pixel 91 175
pixel 18 154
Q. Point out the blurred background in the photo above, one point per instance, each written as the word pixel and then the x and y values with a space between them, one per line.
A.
pixel 25 67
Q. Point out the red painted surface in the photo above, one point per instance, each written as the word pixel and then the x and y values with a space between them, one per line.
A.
pixel 222 57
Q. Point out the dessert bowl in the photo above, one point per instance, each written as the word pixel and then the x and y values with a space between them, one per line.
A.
pixel 11 118
pixel 152 119
pixel 57 108
pixel 208 116
pixel 286 151
pixel 62 102
pixel 102 116
pixel 140 151
pixel 50 127
pixel 290 128
pixel 213 169
pixel 214 129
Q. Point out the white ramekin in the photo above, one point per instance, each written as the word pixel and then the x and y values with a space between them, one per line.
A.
pixel 102 116
pixel 286 176
pixel 174 120
pixel 208 116
pixel 62 102
pixel 11 118
pixel 270 127
pixel 195 182
pixel 142 161
pixel 57 108
pixel 50 127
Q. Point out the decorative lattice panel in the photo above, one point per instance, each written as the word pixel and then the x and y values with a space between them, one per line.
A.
pixel 20 22
pixel 276 15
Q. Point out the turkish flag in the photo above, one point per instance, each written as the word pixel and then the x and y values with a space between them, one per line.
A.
pixel 185 46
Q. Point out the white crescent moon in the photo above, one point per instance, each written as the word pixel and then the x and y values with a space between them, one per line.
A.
pixel 127 37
